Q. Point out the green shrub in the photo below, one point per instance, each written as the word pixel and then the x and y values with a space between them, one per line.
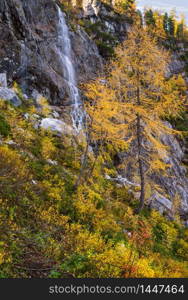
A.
pixel 104 49
pixel 4 127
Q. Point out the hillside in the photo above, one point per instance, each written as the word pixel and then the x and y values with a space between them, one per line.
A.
pixel 71 161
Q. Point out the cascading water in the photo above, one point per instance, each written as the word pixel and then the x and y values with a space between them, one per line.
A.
pixel 64 50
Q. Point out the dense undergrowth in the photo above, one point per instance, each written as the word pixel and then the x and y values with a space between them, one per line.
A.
pixel 47 229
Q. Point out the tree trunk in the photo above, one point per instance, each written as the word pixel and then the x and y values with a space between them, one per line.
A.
pixel 140 165
pixel 140 161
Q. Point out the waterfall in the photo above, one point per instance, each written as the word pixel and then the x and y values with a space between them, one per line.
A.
pixel 22 70
pixel 65 50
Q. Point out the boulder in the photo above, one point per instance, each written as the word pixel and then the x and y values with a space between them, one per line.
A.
pixel 3 80
pixel 57 126
pixel 9 95
pixel 161 203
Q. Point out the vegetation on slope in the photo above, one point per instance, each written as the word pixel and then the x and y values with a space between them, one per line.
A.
pixel 49 229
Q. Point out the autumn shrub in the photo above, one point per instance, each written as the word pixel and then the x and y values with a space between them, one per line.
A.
pixel 164 234
pixel 182 249
pixel 4 127
pixel 12 170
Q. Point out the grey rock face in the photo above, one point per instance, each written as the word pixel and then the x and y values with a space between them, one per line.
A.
pixel 173 184
pixel 88 62
pixel 9 95
pixel 91 7
pixel 161 203
pixel 176 65
pixel 28 49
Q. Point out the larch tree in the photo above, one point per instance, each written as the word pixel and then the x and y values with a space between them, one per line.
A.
pixel 181 28
pixel 128 106
pixel 172 24
pixel 149 17
pixel 155 24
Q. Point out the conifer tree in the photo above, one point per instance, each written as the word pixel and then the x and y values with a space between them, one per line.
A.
pixel 128 105
pixel 165 23
pixel 159 29
pixel 171 24
pixel 181 28
pixel 149 17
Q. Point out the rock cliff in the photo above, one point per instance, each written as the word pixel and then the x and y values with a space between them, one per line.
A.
pixel 28 49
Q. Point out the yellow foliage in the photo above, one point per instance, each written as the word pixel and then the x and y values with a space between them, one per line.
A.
pixel 45 108
pixel 52 216
pixel 144 269
pixel 87 242
pixel 48 148
pixel 110 263
pixel 11 167
pixel 85 205
pixel 183 249
pixel 2 255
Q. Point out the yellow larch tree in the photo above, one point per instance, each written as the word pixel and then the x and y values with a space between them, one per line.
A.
pixel 129 105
